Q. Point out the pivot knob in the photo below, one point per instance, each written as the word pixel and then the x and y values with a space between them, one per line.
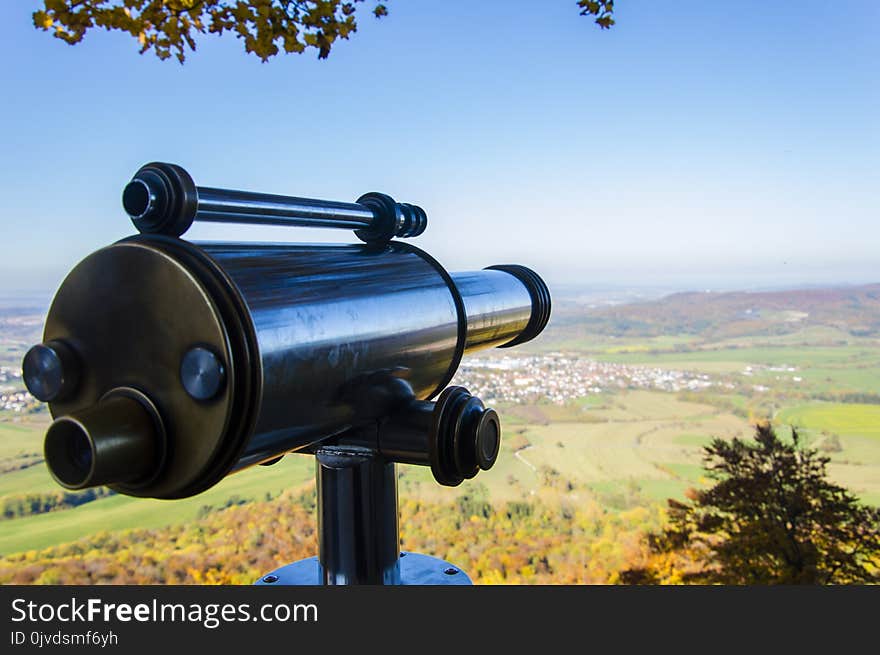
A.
pixel 50 371
pixel 465 437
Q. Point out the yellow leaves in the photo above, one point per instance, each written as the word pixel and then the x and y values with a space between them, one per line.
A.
pixel 211 577
pixel 169 27
pixel 507 543
pixel 492 576
pixel 603 10
pixel 42 20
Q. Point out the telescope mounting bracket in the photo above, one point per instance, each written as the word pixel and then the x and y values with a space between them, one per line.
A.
pixel 356 480
pixel 358 539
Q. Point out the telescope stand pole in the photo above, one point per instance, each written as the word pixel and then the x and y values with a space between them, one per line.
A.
pixel 358 538
pixel 358 528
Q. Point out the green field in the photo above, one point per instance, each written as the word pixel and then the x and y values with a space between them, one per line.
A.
pixel 629 441
pixel 842 419
pixel 20 438
pixel 123 512
pixel 625 450
pixel 850 368
pixel 857 429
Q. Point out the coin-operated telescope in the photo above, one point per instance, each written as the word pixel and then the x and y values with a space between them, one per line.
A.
pixel 168 365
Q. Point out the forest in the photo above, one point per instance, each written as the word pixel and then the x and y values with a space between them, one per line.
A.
pixel 510 543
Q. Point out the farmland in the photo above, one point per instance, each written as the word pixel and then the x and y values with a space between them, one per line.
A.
pixel 628 435
pixel 852 420
pixel 121 512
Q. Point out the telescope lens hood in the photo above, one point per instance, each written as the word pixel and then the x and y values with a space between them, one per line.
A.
pixel 541 303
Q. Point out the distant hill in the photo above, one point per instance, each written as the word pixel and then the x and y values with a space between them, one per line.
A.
pixel 854 310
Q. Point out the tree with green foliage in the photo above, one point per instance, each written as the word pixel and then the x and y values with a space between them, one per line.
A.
pixel 170 27
pixel 772 517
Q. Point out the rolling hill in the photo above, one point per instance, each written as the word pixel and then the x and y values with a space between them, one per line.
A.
pixel 853 311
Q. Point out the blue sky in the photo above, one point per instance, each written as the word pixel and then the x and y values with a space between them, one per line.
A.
pixel 695 144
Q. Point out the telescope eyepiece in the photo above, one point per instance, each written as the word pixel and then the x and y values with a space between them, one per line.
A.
pixel 69 453
pixel 119 441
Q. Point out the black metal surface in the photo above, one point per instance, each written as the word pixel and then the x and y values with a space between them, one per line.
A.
pixel 227 206
pixel 162 199
pixel 403 437
pixel 465 437
pixel 358 540
pixel 457 436
pixel 327 317
pixel 498 307
pixel 462 327
pixel 390 219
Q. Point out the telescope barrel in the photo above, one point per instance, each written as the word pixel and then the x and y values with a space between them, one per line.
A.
pixel 499 303
pixel 251 351
pixel 163 199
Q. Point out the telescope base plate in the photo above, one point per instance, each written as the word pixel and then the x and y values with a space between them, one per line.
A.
pixel 415 569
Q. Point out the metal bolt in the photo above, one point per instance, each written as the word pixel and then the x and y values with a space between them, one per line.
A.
pixel 270 579
pixel 450 571
pixel 202 373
